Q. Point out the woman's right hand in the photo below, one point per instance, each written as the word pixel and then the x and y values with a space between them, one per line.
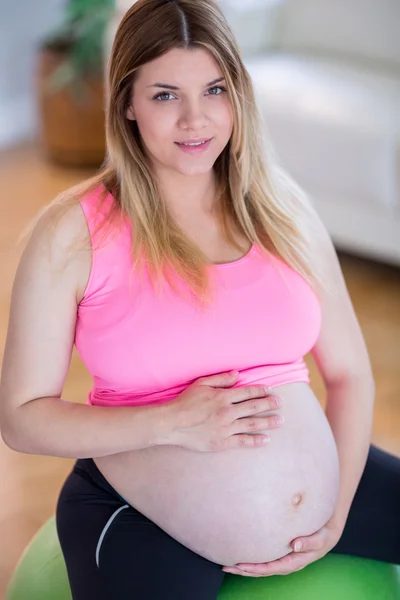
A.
pixel 209 418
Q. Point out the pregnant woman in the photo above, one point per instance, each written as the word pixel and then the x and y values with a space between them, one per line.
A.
pixel 193 276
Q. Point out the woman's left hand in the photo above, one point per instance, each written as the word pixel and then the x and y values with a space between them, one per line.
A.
pixel 312 548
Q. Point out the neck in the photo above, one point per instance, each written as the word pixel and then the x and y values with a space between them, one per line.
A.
pixel 189 196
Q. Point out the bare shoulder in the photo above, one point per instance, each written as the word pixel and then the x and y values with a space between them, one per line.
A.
pixel 50 278
pixel 60 245
pixel 340 352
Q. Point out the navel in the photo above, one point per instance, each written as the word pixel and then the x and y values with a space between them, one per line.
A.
pixel 297 499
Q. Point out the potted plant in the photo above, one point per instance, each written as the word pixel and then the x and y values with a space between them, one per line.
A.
pixel 70 85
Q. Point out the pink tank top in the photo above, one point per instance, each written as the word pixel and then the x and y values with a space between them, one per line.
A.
pixel 143 348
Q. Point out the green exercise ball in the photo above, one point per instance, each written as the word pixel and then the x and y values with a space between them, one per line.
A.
pixel 41 575
pixel 333 577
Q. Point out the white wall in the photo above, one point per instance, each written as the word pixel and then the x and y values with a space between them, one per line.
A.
pixel 22 24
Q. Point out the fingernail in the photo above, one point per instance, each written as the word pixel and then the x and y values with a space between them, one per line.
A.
pixel 276 399
pixel 298 546
pixel 279 420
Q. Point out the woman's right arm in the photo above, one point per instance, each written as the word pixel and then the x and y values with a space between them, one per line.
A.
pixel 34 419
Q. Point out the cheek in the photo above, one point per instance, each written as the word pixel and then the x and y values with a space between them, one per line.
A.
pixel 156 130
pixel 223 118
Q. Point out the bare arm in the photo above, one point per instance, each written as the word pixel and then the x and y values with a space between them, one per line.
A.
pixel 34 419
pixel 343 361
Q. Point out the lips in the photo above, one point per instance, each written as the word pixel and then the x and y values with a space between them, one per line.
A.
pixel 199 141
pixel 196 149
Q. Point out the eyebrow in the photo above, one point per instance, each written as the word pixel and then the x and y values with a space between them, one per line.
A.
pixel 174 87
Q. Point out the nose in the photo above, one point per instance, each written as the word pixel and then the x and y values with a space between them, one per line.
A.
pixel 193 115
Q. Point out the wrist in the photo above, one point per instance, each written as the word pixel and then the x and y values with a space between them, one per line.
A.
pixel 339 518
pixel 166 424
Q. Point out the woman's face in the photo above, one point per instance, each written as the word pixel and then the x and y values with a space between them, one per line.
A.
pixel 175 99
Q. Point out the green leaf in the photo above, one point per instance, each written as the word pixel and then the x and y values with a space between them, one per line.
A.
pixel 84 26
pixel 63 76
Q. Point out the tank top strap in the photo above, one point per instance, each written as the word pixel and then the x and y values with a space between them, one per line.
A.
pixel 96 206
pixel 110 242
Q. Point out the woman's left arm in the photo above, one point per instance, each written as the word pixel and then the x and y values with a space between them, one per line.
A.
pixel 342 358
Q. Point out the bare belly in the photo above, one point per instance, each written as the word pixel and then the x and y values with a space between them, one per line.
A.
pixel 240 505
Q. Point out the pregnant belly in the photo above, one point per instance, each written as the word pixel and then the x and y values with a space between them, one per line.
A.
pixel 244 504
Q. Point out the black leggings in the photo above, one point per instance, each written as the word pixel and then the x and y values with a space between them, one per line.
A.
pixel 113 552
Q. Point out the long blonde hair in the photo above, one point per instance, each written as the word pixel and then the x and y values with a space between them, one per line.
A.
pixel 253 189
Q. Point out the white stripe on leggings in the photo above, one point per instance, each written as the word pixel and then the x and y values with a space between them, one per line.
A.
pixel 107 526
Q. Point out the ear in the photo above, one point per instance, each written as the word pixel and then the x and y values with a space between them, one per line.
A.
pixel 130 114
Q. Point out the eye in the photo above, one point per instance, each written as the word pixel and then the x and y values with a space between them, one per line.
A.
pixel 158 96
pixel 161 96
pixel 218 87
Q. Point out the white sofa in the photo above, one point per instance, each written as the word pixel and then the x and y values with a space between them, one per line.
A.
pixel 327 80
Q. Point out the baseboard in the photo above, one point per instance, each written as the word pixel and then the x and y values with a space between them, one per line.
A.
pixel 18 121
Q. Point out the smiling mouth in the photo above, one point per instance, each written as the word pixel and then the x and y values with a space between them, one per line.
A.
pixel 193 144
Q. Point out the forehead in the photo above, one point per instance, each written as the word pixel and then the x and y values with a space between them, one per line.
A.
pixel 180 67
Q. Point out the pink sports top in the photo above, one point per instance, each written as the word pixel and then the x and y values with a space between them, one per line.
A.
pixel 142 347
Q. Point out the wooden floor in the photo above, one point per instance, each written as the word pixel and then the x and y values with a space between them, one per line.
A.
pixel 30 484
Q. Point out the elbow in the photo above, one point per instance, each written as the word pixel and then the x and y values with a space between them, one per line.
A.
pixel 15 430
pixel 12 441
pixel 6 428
pixel 8 438
pixel 357 380
pixel 366 378
pixel 9 434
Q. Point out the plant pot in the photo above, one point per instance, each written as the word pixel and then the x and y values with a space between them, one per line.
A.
pixel 72 130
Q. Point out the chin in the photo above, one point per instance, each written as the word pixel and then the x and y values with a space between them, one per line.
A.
pixel 195 167
pixel 195 170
